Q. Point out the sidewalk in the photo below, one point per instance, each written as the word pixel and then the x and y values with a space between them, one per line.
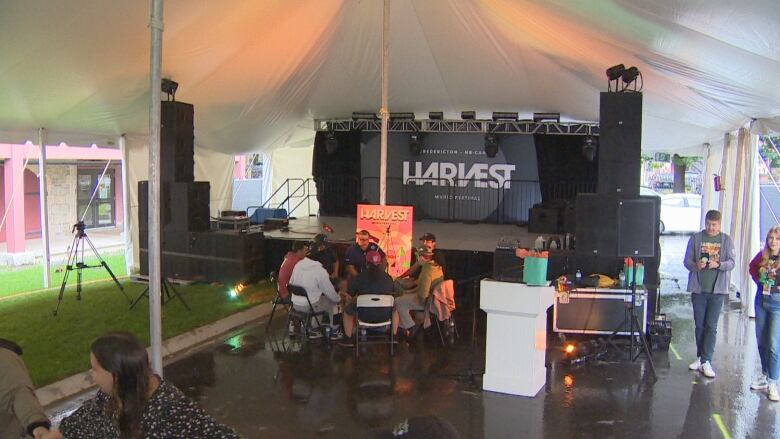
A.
pixel 105 240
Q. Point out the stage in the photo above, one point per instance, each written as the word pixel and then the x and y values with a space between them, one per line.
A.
pixel 449 235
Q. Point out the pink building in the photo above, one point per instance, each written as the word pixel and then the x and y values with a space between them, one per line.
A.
pixel 74 190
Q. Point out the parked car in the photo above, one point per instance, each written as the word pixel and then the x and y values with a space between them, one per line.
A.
pixel 680 213
pixel 647 192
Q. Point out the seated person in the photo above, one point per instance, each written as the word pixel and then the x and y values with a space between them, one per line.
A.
pixel 310 275
pixel 408 280
pixel 134 402
pixel 372 280
pixel 21 415
pixel 321 251
pixel 355 256
pixel 292 258
pixel 431 274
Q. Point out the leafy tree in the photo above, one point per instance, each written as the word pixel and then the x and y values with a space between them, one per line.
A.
pixel 680 166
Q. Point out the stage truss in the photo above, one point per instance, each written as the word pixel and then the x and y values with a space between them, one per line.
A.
pixel 461 126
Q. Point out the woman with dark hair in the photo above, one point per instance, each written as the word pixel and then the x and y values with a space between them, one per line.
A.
pixel 132 402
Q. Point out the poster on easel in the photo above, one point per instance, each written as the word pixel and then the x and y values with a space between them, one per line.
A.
pixel 390 228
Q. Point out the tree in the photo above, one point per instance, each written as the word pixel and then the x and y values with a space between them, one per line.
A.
pixel 680 166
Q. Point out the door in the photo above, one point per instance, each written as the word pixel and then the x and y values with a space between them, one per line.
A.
pixel 96 198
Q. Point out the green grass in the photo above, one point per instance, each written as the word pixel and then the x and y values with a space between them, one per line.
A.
pixel 57 347
pixel 19 280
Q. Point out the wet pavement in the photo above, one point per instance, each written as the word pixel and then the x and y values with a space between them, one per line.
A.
pixel 276 388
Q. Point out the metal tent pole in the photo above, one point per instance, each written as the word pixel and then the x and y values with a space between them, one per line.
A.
pixel 155 279
pixel 43 198
pixel 383 112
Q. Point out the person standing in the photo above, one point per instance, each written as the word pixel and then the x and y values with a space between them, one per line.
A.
pixel 709 259
pixel 764 269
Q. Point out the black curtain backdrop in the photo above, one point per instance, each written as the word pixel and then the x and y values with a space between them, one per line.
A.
pixel 337 173
pixel 562 167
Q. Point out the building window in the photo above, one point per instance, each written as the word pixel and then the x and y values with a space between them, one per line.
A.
pixel 97 210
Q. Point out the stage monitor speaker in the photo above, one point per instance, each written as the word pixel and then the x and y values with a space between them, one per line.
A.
pixel 637 226
pixel 177 142
pixel 596 225
pixel 620 143
pixel 543 220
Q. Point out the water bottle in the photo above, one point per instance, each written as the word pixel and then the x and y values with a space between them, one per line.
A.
pixel 622 279
pixel 539 243
pixel 578 277
pixel 328 332
pixel 363 335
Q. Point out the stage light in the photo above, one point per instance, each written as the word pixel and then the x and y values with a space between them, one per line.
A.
pixel 331 143
pixel 630 75
pixel 363 116
pixel 468 115
pixel 568 380
pixel 589 148
pixel 416 143
pixel 547 117
pixel 503 115
pixel 169 87
pixel 402 116
pixel 232 293
pixel 491 145
pixel 614 72
pixel 436 115
pixel 570 348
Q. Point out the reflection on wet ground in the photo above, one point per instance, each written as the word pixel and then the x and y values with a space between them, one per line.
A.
pixel 275 388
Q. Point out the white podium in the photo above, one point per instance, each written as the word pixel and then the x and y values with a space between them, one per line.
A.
pixel 516 336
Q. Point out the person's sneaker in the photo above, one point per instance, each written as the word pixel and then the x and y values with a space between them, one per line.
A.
pixel 696 365
pixel 771 392
pixel 706 370
pixel 759 383
pixel 315 334
pixel 336 334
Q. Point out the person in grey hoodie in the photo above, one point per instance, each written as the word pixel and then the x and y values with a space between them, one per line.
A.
pixel 709 259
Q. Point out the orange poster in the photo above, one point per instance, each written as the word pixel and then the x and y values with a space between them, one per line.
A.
pixel 391 228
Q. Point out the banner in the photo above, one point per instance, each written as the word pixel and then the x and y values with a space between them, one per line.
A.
pixel 391 228
pixel 450 177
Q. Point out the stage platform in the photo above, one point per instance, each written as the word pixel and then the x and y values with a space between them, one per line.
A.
pixel 449 235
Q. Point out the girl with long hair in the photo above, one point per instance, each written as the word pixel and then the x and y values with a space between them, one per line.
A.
pixel 764 269
pixel 132 402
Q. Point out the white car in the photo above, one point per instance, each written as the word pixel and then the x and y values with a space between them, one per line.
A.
pixel 680 213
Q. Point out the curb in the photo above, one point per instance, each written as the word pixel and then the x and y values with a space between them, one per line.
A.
pixel 73 385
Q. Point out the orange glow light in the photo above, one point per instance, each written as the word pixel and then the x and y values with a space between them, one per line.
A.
pixel 569 348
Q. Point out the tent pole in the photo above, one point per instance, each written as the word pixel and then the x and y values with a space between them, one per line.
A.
pixel 155 275
pixel 383 112
pixel 43 198
pixel 126 229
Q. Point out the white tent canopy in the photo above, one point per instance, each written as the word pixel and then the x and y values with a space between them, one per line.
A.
pixel 258 72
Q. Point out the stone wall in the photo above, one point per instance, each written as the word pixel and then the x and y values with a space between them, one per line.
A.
pixel 61 187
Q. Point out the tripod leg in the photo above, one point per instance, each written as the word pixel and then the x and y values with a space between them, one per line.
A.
pixel 105 265
pixel 145 293
pixel 68 269
pixel 168 287
pixel 645 347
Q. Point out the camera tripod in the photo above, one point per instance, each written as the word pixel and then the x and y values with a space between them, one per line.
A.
pixel 76 262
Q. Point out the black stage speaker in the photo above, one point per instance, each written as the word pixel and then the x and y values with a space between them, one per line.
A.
pixel 507 267
pixel 184 207
pixel 638 221
pixel 177 142
pixel 596 225
pixel 620 144
pixel 543 220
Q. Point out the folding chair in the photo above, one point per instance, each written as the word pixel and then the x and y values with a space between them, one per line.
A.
pixel 303 316
pixel 374 311
pixel 278 300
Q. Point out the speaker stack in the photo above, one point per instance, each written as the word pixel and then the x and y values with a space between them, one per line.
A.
pixel 616 221
pixel 190 249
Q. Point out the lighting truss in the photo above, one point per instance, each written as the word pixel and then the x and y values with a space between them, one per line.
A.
pixel 461 126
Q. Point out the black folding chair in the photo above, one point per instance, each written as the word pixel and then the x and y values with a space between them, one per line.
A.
pixel 303 316
pixel 278 300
